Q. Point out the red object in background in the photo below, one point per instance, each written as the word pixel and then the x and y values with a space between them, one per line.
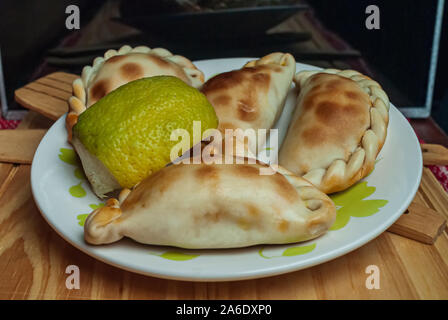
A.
pixel 8 124
pixel 441 173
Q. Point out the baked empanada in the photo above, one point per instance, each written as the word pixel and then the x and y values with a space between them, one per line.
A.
pixel 214 206
pixel 117 68
pixel 253 96
pixel 337 130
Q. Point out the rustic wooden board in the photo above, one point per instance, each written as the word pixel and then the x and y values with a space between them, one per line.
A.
pixel 47 95
pixel 33 258
pixel 18 146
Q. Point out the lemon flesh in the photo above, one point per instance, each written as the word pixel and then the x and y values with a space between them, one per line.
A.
pixel 129 129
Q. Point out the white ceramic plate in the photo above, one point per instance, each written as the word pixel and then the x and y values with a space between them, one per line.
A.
pixel 364 211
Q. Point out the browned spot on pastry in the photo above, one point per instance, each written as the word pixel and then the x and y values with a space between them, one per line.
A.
pixel 353 95
pixel 207 172
pixel 284 188
pixel 115 59
pixel 222 81
pixel 283 225
pixel 304 168
pixel 226 125
pixel 334 84
pixel 221 100
pixel 336 114
pixel 162 63
pixel 261 78
pixel 310 100
pixel 252 210
pixel 131 71
pixel 164 180
pixel 214 216
pixel 247 110
pixel 318 77
pixel 328 112
pixel 314 136
pixel 99 90
pixel 246 170
pixel 244 77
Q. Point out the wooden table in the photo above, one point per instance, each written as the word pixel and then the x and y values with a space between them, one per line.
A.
pixel 33 260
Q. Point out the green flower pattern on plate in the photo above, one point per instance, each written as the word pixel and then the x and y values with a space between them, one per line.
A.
pixel 69 156
pixel 289 252
pixel 176 256
pixel 351 203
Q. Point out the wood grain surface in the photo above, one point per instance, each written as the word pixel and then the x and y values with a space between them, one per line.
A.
pixel 33 260
pixel 47 95
pixel 18 146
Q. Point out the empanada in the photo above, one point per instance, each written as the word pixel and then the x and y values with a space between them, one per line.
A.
pixel 253 96
pixel 214 206
pixel 120 67
pixel 337 130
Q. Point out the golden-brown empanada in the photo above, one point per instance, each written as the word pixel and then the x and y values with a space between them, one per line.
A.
pixel 337 130
pixel 117 68
pixel 253 96
pixel 214 206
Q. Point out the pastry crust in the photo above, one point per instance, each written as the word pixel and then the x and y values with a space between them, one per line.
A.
pixel 253 96
pixel 214 206
pixel 338 128
pixel 116 68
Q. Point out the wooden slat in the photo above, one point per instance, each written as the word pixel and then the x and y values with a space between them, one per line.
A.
pixel 419 223
pixel 434 154
pixel 425 265
pixel 46 105
pixel 53 92
pixel 19 146
pixel 7 172
pixel 33 258
pixel 434 193
pixel 55 84
pixel 63 77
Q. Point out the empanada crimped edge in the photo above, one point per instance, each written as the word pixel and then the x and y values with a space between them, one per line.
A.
pixel 340 174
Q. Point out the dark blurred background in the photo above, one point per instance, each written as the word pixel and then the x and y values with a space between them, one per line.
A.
pixel 34 40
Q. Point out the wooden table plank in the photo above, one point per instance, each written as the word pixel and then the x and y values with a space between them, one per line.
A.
pixel 54 92
pixel 63 77
pixel 19 146
pixel 49 106
pixel 33 257
pixel 57 84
